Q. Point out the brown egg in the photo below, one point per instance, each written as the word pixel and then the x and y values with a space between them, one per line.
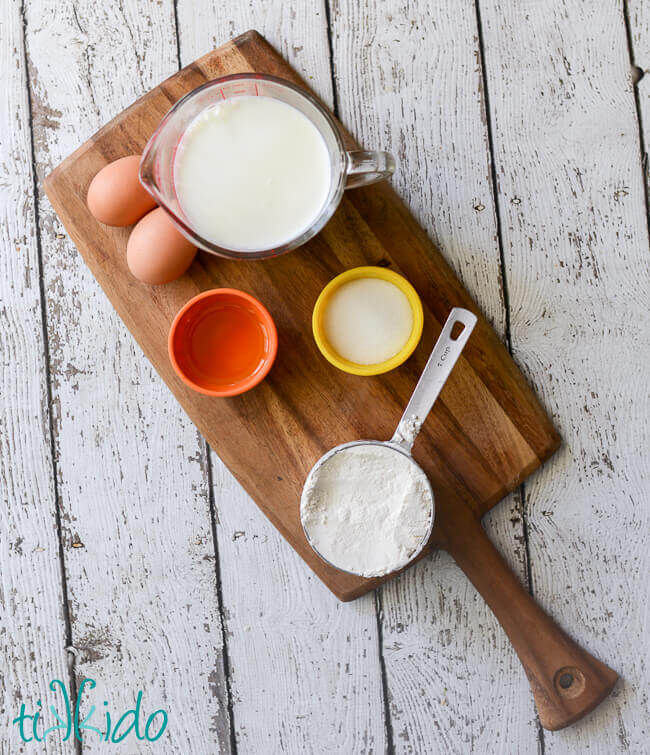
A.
pixel 116 196
pixel 157 251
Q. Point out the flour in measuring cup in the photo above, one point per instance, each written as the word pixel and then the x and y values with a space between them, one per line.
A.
pixel 367 509
pixel 407 430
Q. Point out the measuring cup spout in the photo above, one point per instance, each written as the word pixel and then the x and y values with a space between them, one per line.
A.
pixel 438 368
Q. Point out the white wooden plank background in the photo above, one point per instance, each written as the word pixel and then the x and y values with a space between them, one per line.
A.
pixel 574 230
pixel 304 669
pixel 142 590
pixel 517 132
pixel 420 69
pixel 33 633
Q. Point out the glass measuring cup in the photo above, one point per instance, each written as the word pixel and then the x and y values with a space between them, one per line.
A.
pixel 349 169
pixel 437 369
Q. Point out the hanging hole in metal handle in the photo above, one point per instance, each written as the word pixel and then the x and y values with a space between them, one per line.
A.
pixel 457 330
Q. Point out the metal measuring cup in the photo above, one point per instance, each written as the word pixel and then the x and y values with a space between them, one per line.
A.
pixel 437 369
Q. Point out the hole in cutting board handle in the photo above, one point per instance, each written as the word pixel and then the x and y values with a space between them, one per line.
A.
pixel 570 682
pixel 456 330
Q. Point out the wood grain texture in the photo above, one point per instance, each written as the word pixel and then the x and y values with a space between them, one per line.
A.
pixel 138 544
pixel 471 717
pixel 489 434
pixel 566 681
pixel 409 76
pixel 304 667
pixel 306 406
pixel 32 623
pixel 304 670
pixel 576 248
pixel 421 76
pixel 638 19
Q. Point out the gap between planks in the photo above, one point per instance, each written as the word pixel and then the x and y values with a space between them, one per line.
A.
pixel 637 73
pixel 521 492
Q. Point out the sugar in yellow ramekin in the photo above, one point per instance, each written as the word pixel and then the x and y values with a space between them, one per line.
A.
pixel 367 369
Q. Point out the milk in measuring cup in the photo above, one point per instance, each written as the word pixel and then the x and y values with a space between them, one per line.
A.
pixel 251 173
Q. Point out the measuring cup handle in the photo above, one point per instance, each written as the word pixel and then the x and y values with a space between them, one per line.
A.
pixel 365 168
pixel 441 362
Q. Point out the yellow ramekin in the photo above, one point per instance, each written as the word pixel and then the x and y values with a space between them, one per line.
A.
pixel 367 369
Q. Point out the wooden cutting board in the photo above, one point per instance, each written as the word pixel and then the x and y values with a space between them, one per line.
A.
pixel 486 433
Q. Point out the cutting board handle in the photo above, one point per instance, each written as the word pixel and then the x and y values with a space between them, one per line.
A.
pixel 566 681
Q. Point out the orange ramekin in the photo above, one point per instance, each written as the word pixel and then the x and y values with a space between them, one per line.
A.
pixel 222 342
